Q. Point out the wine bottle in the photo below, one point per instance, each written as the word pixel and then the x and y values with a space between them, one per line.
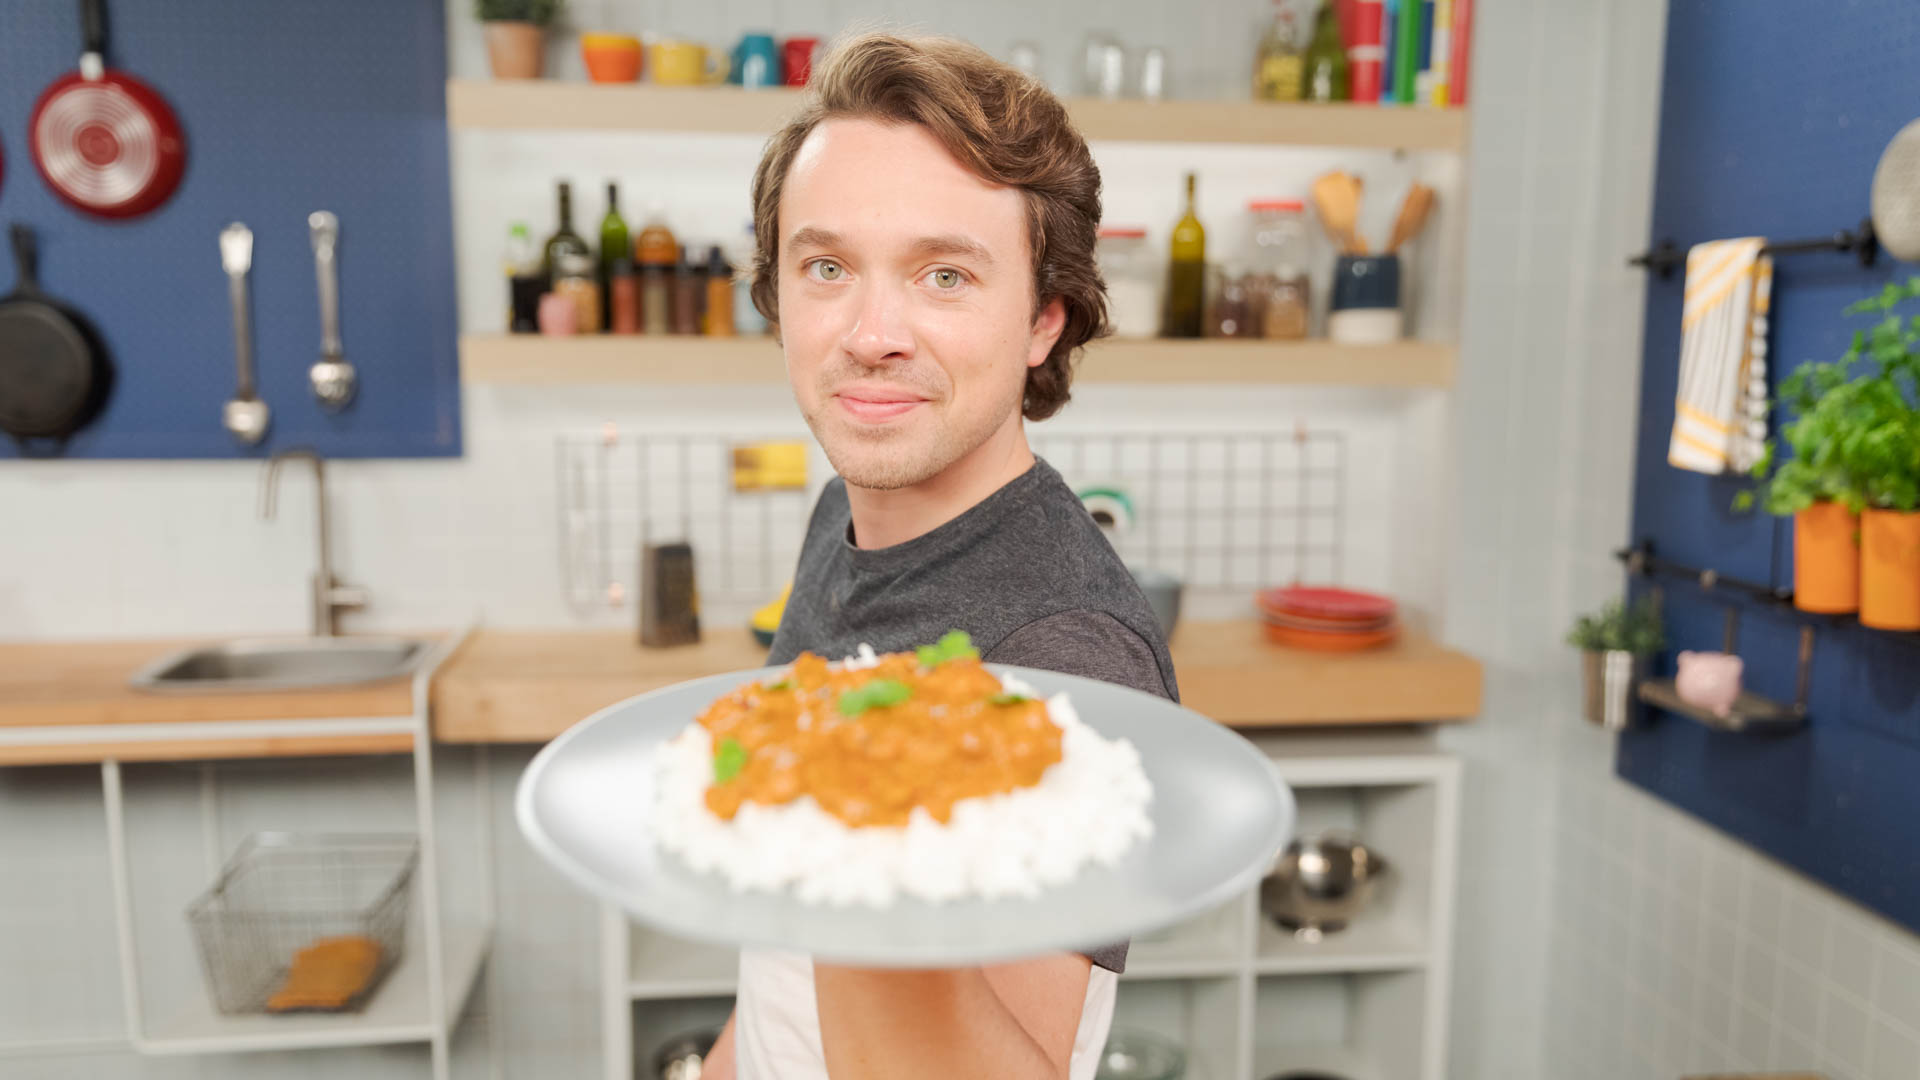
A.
pixel 564 240
pixel 1186 274
pixel 613 240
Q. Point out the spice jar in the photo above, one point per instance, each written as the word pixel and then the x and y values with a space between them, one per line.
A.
pixel 573 278
pixel 1230 309
pixel 623 298
pixel 717 320
pixel 1133 275
pixel 1281 294
pixel 689 295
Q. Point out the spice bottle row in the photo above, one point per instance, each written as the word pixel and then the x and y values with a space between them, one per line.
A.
pixel 649 282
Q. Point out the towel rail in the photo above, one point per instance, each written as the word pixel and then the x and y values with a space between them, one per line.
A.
pixel 1860 242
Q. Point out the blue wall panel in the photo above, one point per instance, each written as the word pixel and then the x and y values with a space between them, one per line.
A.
pixel 288 108
pixel 1773 116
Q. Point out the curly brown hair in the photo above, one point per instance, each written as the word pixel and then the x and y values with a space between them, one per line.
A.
pixel 1003 126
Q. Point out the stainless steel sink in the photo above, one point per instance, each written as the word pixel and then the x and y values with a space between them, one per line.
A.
pixel 282 664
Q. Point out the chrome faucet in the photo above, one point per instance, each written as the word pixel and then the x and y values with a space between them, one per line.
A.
pixel 329 597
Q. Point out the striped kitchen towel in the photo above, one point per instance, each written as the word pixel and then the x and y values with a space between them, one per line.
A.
pixel 1720 410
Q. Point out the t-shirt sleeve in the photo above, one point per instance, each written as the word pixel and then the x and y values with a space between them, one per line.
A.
pixel 1089 643
pixel 1098 646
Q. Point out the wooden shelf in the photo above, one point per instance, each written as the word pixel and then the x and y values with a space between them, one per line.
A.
pixel 529 686
pixel 549 105
pixel 606 358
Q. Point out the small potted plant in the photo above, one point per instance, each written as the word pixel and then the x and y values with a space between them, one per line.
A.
pixel 1852 484
pixel 1617 643
pixel 517 35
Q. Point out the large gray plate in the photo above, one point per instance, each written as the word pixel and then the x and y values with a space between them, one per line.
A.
pixel 1220 815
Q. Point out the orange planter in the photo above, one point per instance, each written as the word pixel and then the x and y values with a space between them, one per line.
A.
pixel 1890 570
pixel 1826 559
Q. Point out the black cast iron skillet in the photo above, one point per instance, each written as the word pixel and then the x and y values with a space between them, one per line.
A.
pixel 54 373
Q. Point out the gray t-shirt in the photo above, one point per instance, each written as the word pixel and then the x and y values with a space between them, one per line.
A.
pixel 1025 572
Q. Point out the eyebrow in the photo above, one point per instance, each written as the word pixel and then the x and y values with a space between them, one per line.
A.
pixel 952 244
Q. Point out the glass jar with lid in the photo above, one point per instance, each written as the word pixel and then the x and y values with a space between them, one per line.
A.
pixel 1133 274
pixel 1276 255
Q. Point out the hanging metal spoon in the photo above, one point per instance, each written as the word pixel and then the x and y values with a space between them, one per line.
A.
pixel 246 415
pixel 332 376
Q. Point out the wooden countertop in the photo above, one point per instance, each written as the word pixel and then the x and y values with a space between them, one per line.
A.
pixel 508 686
pixel 84 684
pixel 528 686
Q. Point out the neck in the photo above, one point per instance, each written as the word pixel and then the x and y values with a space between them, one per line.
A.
pixel 885 518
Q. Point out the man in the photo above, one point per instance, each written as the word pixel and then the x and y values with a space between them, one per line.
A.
pixel 926 229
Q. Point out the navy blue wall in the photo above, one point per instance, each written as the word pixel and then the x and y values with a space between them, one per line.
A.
pixel 1774 113
pixel 288 108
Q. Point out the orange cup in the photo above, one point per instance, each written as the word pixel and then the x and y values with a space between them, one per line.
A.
pixel 1890 570
pixel 611 58
pixel 1826 559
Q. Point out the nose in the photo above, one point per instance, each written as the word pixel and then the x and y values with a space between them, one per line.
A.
pixel 880 334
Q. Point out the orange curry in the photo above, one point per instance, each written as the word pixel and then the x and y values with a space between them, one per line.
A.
pixel 871 745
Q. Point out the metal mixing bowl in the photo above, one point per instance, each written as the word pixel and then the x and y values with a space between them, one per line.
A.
pixel 1320 883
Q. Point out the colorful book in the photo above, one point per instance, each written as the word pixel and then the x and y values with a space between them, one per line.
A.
pixel 1406 51
pixel 1442 52
pixel 1389 34
pixel 1365 58
pixel 1423 78
pixel 1461 41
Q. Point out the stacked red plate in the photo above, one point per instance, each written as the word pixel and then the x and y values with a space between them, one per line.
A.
pixel 1331 620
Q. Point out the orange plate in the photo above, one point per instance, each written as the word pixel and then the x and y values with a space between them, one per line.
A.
pixel 1321 641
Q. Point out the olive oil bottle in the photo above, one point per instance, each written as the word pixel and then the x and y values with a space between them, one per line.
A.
pixel 1186 274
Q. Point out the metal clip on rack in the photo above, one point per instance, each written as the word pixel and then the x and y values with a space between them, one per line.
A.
pixel 1751 712
pixel 1860 242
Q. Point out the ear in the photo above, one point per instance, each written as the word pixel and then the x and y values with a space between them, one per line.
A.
pixel 1046 330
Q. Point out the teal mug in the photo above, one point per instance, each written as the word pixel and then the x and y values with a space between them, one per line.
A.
pixel 756 62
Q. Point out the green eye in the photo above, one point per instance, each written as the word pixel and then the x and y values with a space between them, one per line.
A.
pixel 946 279
pixel 827 270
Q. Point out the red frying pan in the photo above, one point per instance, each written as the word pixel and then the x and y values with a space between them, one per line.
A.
pixel 105 142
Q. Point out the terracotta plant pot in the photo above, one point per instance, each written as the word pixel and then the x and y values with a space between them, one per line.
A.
pixel 516 50
pixel 1890 570
pixel 1826 559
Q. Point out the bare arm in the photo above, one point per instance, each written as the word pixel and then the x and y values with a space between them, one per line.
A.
pixel 718 1064
pixel 1005 1022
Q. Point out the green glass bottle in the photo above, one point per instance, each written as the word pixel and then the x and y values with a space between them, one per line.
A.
pixel 613 243
pixel 564 240
pixel 1326 74
pixel 1186 274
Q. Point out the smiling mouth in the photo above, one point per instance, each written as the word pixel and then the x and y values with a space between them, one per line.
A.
pixel 875 407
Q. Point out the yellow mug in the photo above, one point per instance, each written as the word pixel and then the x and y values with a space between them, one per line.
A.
pixel 687 63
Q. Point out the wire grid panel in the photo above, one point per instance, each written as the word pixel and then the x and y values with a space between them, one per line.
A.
pixel 1221 509
pixel 619 492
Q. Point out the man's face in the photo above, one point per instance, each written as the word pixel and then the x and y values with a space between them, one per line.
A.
pixel 906 302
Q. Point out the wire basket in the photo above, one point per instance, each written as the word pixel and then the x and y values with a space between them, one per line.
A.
pixel 282 893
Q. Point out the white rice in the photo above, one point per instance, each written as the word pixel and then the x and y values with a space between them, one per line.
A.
pixel 1090 807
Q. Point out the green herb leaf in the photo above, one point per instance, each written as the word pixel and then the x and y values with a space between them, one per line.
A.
pixel 783 684
pixel 728 760
pixel 1008 699
pixel 875 694
pixel 953 645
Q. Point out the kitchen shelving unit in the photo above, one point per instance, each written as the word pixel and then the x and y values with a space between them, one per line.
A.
pixel 553 105
pixel 167 1008
pixel 606 358
pixel 1243 996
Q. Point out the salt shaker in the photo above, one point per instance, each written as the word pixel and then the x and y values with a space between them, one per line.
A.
pixel 1153 74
